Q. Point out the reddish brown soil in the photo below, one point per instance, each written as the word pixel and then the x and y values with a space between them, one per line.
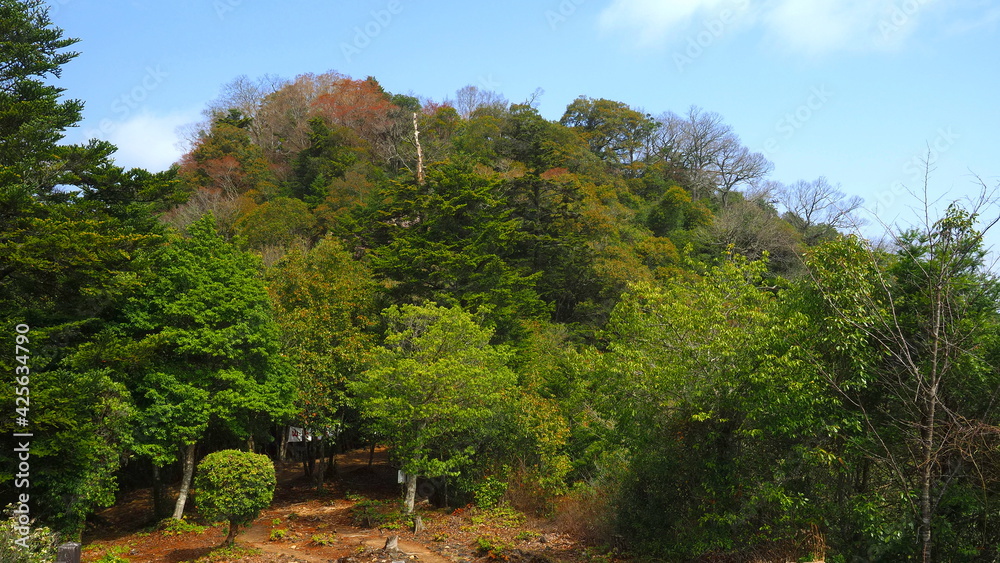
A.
pixel 315 526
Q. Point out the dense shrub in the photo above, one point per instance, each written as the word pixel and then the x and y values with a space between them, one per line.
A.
pixel 235 486
pixel 40 541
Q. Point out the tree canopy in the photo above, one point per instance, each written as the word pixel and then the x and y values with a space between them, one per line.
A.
pixel 616 313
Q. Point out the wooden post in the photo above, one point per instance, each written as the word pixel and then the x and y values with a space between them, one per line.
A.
pixel 68 553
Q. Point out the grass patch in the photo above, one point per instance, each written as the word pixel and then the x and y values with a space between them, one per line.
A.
pixel 492 547
pixel 500 517
pixel 114 554
pixel 387 514
pixel 527 535
pixel 324 539
pixel 230 553
pixel 175 527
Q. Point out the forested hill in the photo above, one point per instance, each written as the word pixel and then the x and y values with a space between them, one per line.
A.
pixel 617 314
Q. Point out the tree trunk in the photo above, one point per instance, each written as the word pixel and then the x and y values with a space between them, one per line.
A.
pixel 185 481
pixel 283 448
pixel 927 478
pixel 231 537
pixel 308 461
pixel 320 471
pixel 159 508
pixel 420 152
pixel 411 493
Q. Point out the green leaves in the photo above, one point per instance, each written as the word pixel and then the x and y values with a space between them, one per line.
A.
pixel 449 242
pixel 713 403
pixel 325 306
pixel 434 384
pixel 204 323
pixel 235 486
pixel 32 118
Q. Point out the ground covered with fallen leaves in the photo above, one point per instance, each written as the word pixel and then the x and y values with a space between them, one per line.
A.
pixel 349 520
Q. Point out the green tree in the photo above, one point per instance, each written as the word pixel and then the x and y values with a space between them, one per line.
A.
pixel 614 131
pixel 435 381
pixel 716 410
pixel 324 302
pixel 277 223
pixel 451 241
pixel 204 350
pixel 331 152
pixel 234 486
pixel 928 315
pixel 32 118
pixel 68 258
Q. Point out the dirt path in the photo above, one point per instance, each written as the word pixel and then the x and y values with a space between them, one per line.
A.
pixel 409 548
pixel 306 524
pixel 259 534
pixel 348 538
pixel 330 519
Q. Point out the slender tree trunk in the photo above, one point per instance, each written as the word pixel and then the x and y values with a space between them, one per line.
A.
pixel 320 466
pixel 927 478
pixel 420 152
pixel 159 510
pixel 283 448
pixel 335 448
pixel 185 481
pixel 411 493
pixel 231 537
pixel 308 461
pixel 371 455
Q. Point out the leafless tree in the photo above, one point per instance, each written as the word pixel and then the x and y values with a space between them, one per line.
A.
pixel 751 230
pixel 708 153
pixel 224 207
pixel 810 204
pixel 736 166
pixel 471 98
pixel 242 94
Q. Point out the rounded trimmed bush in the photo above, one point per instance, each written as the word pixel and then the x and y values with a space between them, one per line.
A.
pixel 235 486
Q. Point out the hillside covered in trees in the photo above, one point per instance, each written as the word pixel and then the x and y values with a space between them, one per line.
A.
pixel 617 311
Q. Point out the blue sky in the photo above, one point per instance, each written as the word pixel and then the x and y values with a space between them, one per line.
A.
pixel 854 90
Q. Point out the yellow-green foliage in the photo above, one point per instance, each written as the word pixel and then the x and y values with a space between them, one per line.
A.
pixel 233 485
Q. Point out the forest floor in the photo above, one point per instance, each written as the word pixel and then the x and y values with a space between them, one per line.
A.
pixel 304 524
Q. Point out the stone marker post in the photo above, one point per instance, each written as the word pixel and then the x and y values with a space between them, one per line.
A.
pixel 68 553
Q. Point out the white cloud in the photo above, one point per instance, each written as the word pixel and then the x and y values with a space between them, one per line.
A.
pixel 150 141
pixel 809 27
pixel 653 19
pixel 819 27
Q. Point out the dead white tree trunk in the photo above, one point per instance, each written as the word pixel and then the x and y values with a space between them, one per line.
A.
pixel 420 152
